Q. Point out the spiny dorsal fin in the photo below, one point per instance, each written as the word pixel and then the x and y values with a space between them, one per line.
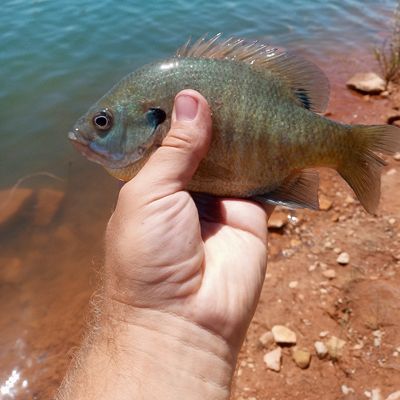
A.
pixel 306 81
pixel 300 190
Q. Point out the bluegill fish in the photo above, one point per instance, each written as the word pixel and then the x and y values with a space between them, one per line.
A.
pixel 267 132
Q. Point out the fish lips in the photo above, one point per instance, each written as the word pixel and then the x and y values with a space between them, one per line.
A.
pixel 98 154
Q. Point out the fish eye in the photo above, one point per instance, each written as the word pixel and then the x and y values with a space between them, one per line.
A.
pixel 156 116
pixel 103 120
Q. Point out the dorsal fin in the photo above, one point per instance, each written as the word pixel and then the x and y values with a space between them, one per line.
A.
pixel 306 81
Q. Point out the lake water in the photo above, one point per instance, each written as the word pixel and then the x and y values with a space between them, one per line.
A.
pixel 57 58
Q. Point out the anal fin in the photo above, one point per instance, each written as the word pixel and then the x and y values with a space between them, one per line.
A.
pixel 299 190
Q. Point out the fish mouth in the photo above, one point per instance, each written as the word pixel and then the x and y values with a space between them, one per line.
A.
pixel 98 154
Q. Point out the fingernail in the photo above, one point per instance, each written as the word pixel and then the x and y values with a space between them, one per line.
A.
pixel 186 108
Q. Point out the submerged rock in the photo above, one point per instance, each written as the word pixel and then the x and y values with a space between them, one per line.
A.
pixel 367 82
pixel 47 206
pixel 13 203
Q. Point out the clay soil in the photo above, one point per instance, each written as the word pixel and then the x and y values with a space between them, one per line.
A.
pixel 41 324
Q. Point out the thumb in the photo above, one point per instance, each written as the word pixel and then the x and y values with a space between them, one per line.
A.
pixel 173 164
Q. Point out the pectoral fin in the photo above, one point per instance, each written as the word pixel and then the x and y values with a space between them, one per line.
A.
pixel 300 190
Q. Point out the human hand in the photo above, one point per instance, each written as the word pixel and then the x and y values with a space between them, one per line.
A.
pixel 183 274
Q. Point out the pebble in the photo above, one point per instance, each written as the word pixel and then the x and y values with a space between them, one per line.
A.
pixel 346 390
pixel 293 284
pixel 397 156
pixel 323 334
pixel 343 258
pixel 377 338
pixel 329 273
pixel 376 394
pixel 337 250
pixel 277 220
pixel 301 357
pixel 266 339
pixel 367 82
pixel 325 203
pixel 273 359
pixel 283 335
pixel 13 203
pixel 335 347
pixel 47 206
pixel 394 396
pixel 320 349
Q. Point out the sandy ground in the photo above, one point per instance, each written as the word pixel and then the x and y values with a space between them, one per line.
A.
pixel 41 324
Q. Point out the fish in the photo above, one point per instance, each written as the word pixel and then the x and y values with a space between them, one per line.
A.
pixel 269 131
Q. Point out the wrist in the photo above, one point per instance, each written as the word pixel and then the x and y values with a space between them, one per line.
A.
pixel 154 354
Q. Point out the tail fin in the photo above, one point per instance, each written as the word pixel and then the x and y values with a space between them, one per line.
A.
pixel 362 169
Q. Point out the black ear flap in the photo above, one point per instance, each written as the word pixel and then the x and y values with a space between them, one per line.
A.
pixel 156 116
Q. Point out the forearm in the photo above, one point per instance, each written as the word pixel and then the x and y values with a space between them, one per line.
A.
pixel 149 355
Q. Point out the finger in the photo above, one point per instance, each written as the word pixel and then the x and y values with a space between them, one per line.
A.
pixel 172 166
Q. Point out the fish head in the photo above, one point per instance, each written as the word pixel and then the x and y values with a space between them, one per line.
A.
pixel 117 133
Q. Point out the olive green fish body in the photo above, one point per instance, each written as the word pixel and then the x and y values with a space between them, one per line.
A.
pixel 266 134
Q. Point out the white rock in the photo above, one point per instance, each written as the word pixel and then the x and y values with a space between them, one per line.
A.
pixel 343 258
pixel 397 156
pixel 266 339
pixel 320 349
pixel 346 390
pixel 377 337
pixel 367 82
pixel 394 396
pixel 293 284
pixel 376 394
pixel 323 334
pixel 283 335
pixel 273 359
pixel 335 347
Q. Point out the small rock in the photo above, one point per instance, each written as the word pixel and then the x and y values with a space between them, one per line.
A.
pixel 47 205
pixel 266 339
pixel 377 337
pixel 368 82
pixel 394 396
pixel 320 349
pixel 325 203
pixel 376 394
pixel 343 258
pixel 277 220
pixel 329 273
pixel 335 347
pixel 283 335
pixel 323 334
pixel 302 358
pixel 273 359
pixel 337 250
pixel 293 284
pixel 11 270
pixel 397 156
pixel 392 221
pixel 346 390
pixel 13 203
